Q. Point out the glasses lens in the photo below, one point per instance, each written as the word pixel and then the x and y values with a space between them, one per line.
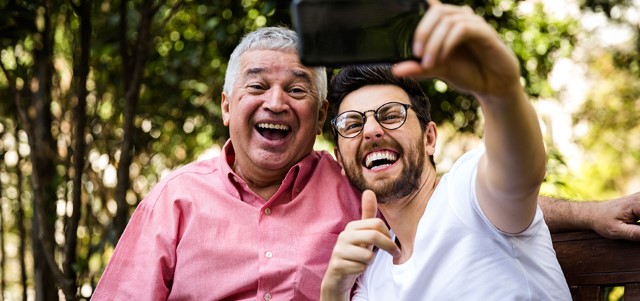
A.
pixel 392 115
pixel 349 124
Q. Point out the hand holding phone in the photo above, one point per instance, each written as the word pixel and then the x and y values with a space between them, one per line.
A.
pixel 340 32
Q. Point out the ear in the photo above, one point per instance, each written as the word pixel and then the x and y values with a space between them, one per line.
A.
pixel 224 106
pixel 322 115
pixel 430 138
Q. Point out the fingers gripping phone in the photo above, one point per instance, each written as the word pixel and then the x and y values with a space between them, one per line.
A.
pixel 339 32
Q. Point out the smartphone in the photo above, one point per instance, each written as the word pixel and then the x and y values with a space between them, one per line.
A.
pixel 334 33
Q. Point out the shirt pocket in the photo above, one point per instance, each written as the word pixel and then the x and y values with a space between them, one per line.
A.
pixel 314 254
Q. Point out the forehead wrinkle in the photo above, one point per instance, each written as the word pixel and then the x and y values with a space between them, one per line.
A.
pixel 298 74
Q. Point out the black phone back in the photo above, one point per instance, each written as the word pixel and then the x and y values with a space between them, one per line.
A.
pixel 340 32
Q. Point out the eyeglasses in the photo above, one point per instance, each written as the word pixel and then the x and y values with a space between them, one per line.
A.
pixel 390 116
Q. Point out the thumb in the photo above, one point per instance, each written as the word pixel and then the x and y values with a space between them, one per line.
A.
pixel 369 204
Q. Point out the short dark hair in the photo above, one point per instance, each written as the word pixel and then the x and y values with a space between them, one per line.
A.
pixel 354 77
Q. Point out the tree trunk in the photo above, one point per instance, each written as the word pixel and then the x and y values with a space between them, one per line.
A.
pixel 80 117
pixel 22 231
pixel 3 267
pixel 120 219
pixel 133 73
pixel 43 158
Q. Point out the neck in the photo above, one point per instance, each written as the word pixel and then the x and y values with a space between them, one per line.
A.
pixel 264 184
pixel 404 215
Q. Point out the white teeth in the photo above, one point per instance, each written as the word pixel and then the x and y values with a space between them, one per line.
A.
pixel 390 156
pixel 273 126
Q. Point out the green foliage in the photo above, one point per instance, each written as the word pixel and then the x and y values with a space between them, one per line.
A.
pixel 17 20
pixel 611 113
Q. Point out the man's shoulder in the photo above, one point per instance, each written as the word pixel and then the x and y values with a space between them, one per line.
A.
pixel 195 176
pixel 469 158
pixel 326 163
pixel 325 157
pixel 194 168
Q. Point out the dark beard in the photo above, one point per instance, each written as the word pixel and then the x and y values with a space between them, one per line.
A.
pixel 394 189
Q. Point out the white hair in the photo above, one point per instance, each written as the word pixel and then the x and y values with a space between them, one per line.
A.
pixel 270 38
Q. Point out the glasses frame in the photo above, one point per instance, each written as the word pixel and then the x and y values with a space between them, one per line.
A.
pixel 406 107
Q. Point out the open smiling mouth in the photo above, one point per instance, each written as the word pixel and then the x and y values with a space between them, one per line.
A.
pixel 380 159
pixel 273 131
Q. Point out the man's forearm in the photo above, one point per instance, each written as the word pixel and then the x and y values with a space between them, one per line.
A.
pixel 615 218
pixel 564 215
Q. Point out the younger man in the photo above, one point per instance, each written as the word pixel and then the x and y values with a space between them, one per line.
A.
pixel 475 233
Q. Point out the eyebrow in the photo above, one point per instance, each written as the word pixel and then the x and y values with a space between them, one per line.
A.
pixel 300 74
pixel 255 70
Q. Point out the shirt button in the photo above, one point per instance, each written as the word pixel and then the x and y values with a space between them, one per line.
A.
pixel 268 254
pixel 267 211
pixel 267 296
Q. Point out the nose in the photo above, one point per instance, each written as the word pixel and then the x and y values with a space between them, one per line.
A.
pixel 371 128
pixel 275 100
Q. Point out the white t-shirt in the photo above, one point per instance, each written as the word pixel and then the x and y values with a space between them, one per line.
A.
pixel 460 255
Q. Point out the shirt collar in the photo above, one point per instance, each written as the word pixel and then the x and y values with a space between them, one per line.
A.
pixel 297 176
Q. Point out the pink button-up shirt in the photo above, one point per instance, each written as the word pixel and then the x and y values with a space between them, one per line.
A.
pixel 202 234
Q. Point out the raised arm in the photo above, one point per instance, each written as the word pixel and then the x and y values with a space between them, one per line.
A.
pixel 462 49
pixel 614 219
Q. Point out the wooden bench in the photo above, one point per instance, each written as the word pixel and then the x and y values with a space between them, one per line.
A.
pixel 592 264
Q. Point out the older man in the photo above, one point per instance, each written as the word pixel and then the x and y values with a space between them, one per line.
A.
pixel 257 222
